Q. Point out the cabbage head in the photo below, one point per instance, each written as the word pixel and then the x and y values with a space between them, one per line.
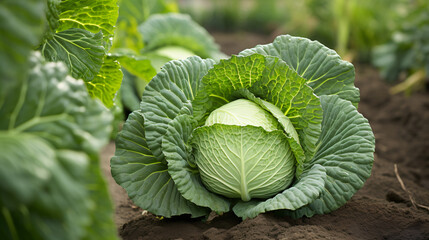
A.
pixel 274 128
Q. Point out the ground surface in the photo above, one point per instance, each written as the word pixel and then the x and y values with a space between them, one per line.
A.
pixel 380 210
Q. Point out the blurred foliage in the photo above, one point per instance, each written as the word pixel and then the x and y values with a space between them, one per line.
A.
pixel 408 51
pixel 134 12
pixel 352 27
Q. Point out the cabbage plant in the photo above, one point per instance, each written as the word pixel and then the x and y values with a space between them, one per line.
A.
pixel 273 128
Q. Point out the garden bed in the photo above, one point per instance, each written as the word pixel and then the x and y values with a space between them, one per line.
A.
pixel 380 210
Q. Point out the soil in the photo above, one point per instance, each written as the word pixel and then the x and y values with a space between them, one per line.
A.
pixel 380 210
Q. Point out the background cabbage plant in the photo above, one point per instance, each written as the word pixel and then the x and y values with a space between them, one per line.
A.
pixel 273 128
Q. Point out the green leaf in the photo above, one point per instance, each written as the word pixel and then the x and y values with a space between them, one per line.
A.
pixel 243 161
pixel 303 192
pixel 169 94
pixel 346 148
pixel 322 67
pixel 52 15
pixel 141 10
pixel 21 27
pixel 107 81
pixel 36 166
pixel 50 105
pixel 80 50
pixel 182 168
pixel 128 92
pixel 139 66
pixel 101 210
pixel 289 129
pixel 38 186
pixel 270 79
pixel 144 177
pixel 53 112
pixel 91 15
pixel 172 29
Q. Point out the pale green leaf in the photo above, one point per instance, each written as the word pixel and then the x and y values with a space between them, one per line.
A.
pixel 173 29
pixel 183 170
pixel 243 161
pixel 289 129
pixel 303 192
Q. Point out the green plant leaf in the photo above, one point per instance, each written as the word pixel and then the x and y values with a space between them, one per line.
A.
pixel 289 129
pixel 54 113
pixel 101 210
pixel 37 186
pixel 169 94
pixel 139 66
pixel 91 15
pixel 242 162
pixel 270 79
pixel 49 104
pixel 144 177
pixel 183 170
pixel 52 15
pixel 322 67
pixel 172 29
pixel 346 148
pixel 21 27
pixel 303 192
pixel 107 81
pixel 128 92
pixel 80 50
pixel 37 163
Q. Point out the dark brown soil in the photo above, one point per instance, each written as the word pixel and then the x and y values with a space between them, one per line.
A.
pixel 380 210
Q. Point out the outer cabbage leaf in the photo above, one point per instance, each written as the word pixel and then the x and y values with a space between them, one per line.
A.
pixel 91 15
pixel 172 29
pixel 323 68
pixel 182 168
pixel 166 96
pixel 80 50
pixel 107 81
pixel 21 29
pixel 169 94
pixel 79 33
pixel 345 150
pixel 303 192
pixel 145 178
pixel 53 112
pixel 270 79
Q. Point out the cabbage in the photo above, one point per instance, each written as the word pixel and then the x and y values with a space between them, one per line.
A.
pixel 273 128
